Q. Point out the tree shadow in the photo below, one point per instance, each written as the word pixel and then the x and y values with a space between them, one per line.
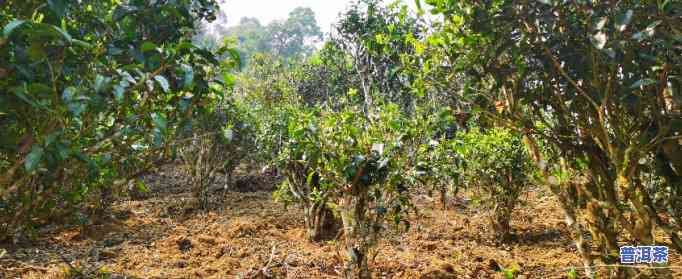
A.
pixel 539 238
pixel 547 237
pixel 139 221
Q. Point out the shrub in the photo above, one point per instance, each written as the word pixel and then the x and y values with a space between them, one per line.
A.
pixel 497 162
pixel 340 161
pixel 80 89
pixel 364 162
pixel 438 166
pixel 218 141
pixel 583 87
pixel 299 160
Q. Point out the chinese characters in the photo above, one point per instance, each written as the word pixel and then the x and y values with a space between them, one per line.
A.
pixel 643 254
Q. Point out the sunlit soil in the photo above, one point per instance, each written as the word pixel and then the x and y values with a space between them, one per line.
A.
pixel 245 234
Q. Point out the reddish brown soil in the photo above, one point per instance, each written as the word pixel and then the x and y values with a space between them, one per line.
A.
pixel 248 235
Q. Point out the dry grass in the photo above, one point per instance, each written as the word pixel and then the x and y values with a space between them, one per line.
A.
pixel 246 234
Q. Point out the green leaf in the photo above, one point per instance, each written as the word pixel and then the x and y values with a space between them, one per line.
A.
pixel 81 43
pixel 236 58
pixel 63 32
pixel 119 91
pixel 228 134
pixel 599 40
pixel 100 83
pixel 141 186
pixel 622 20
pixel 647 32
pixel 188 78
pixel 123 11
pixel 184 46
pixel 9 28
pixel 63 152
pixel 159 120
pixel 58 7
pixel 163 82
pixel 418 4
pixel 148 46
pixel 309 179
pixel 69 94
pixel 36 51
pixel 33 158
pixel 229 80
pixel 21 92
pixel 572 274
pixel 599 25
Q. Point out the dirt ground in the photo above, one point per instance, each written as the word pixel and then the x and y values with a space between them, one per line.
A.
pixel 245 234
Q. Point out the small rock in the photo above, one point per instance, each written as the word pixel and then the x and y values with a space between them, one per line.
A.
pixel 493 265
pixel 184 244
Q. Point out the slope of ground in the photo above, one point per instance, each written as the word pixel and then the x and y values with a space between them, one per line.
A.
pixel 245 234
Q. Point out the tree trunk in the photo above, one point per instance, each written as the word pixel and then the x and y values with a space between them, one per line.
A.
pixel 444 197
pixel 358 235
pixel 319 221
pixel 500 222
pixel 577 235
pixel 568 206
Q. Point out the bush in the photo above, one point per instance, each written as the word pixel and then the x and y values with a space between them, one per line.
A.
pixel 438 166
pixel 364 162
pixel 583 87
pixel 496 162
pixel 218 141
pixel 80 90
pixel 299 160
pixel 342 162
